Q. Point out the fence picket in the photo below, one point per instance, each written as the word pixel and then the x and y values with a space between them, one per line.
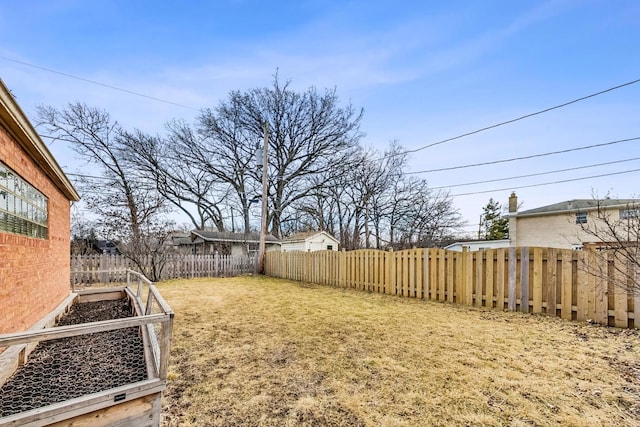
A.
pixel 524 279
pixel 87 269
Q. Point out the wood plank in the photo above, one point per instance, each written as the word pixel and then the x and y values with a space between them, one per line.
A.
pixel 602 291
pixel 536 286
pixel 141 412
pixel 441 275
pixel 489 280
pixel 500 274
pixel 583 288
pixel 591 286
pixel 419 273
pixel 524 279
pixel 458 285
pixel 448 258
pixel 405 273
pixel 511 303
pixel 425 273
pixel 552 264
pixel 621 294
pixel 80 329
pixel 468 278
pixel 113 295
pixel 477 289
pixel 412 274
pixel 567 282
pixel 433 270
pixel 392 269
pixel 80 406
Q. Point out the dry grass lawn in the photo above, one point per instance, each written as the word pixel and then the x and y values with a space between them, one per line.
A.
pixel 256 351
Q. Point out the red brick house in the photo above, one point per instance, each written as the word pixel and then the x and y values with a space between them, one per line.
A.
pixel 35 202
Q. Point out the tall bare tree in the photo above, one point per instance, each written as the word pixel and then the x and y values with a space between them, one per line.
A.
pixel 184 181
pixel 370 202
pixel 213 166
pixel 308 134
pixel 127 207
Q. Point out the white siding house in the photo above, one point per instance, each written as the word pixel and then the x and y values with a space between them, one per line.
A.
pixel 567 225
pixel 477 245
pixel 310 241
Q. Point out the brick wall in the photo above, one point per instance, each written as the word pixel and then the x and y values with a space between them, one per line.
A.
pixel 34 273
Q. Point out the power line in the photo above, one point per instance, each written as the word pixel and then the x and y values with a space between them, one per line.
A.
pixel 536 174
pixel 98 83
pixel 526 116
pixel 545 183
pixel 88 176
pixel 532 156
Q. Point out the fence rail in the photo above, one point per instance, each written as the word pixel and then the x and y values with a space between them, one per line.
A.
pixel 578 285
pixel 86 269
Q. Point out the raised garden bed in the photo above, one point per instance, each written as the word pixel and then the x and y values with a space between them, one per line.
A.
pixel 104 361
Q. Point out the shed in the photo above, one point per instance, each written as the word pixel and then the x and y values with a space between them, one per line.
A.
pixel 310 241
pixel 227 243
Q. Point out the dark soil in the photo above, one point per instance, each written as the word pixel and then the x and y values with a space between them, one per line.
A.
pixel 66 368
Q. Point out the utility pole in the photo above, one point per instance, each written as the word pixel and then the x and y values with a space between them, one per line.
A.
pixel 265 202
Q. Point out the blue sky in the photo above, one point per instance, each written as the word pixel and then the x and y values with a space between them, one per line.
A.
pixel 422 70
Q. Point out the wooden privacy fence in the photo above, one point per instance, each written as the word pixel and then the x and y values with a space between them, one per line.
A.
pixel 87 269
pixel 578 285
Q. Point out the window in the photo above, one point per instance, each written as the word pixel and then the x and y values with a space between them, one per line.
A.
pixel 581 218
pixel 629 213
pixel 23 209
pixel 329 247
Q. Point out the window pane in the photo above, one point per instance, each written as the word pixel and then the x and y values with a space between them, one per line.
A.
pixel 24 208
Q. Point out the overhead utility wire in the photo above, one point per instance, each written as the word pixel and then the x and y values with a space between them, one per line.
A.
pixel 99 83
pixel 526 116
pixel 568 150
pixel 545 183
pixel 536 174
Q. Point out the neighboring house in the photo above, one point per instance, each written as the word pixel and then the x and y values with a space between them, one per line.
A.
pixel 477 245
pixel 35 202
pixel 310 241
pixel 106 247
pixel 226 243
pixel 180 243
pixel 562 225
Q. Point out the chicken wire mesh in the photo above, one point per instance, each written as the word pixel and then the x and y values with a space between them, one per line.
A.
pixel 66 368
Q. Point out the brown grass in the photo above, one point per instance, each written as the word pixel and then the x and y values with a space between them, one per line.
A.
pixel 255 351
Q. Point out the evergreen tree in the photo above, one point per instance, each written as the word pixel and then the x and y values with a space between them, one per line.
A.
pixel 494 223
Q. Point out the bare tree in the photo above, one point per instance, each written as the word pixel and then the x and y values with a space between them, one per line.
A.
pixel 184 181
pixel 83 233
pixel 370 202
pixel 308 134
pixel 125 203
pixel 615 234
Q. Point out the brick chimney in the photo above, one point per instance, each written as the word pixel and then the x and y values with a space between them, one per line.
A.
pixel 513 203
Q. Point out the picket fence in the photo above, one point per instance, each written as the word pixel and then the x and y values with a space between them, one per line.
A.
pixel 577 285
pixel 87 269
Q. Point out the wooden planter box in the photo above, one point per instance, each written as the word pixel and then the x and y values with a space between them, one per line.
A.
pixel 134 404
